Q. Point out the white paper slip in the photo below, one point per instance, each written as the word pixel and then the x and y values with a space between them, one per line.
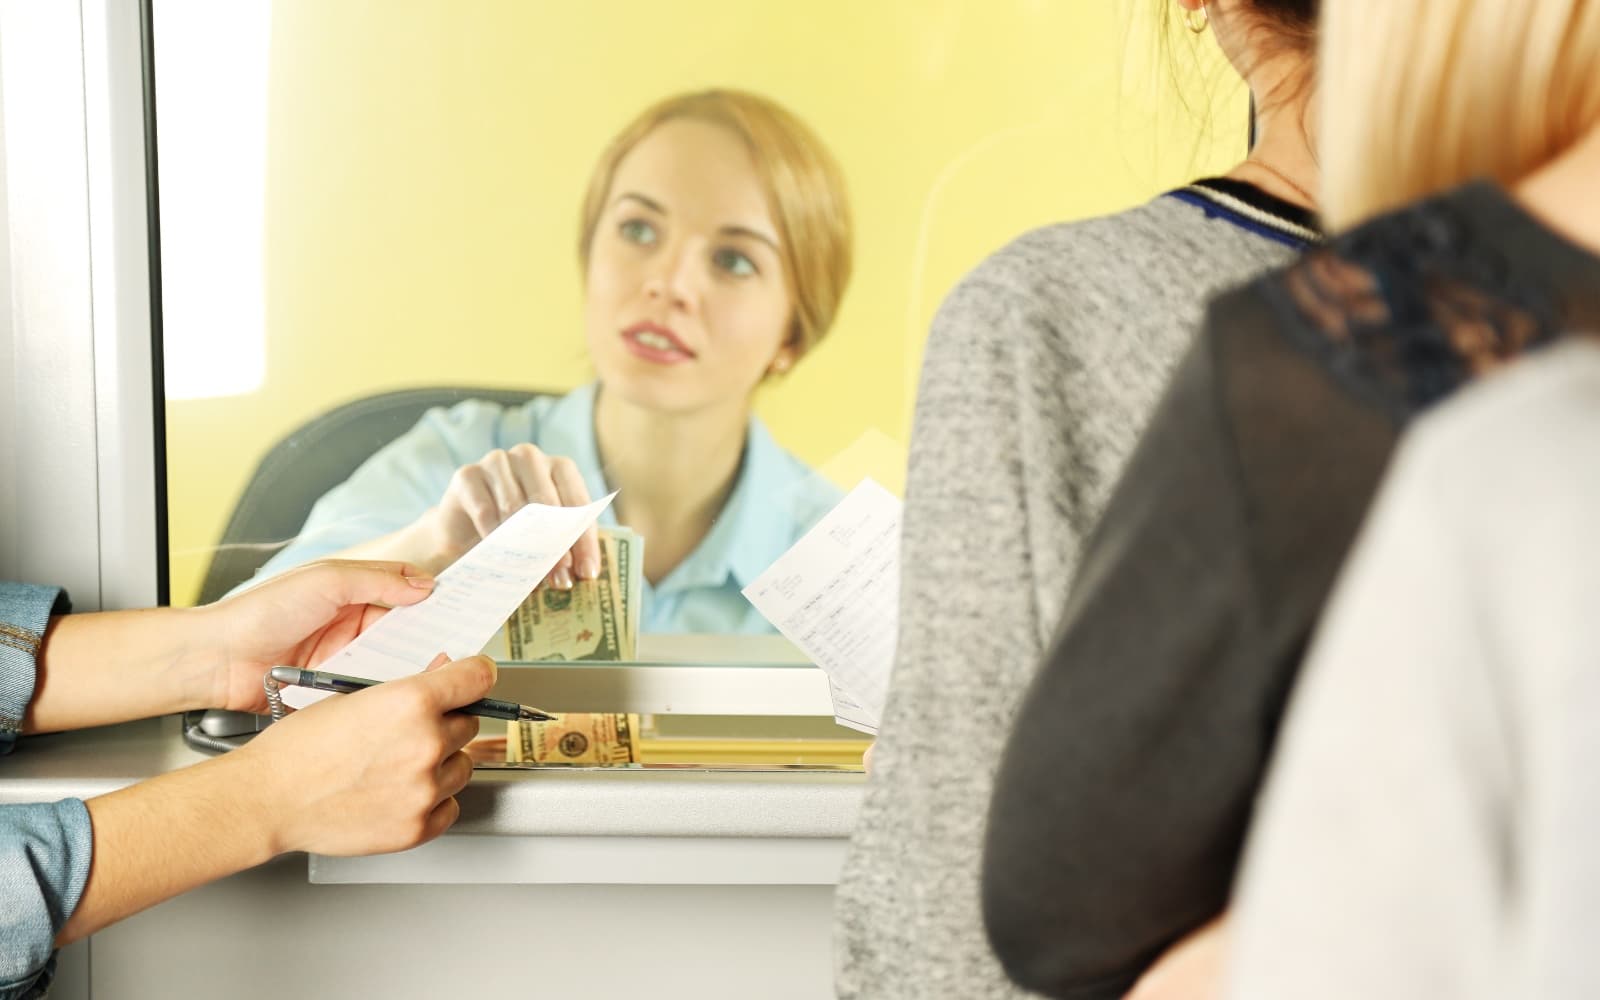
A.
pixel 849 713
pixel 836 595
pixel 473 597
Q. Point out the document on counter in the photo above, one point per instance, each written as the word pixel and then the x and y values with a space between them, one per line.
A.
pixel 836 595
pixel 471 601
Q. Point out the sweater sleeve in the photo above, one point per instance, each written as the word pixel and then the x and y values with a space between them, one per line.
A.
pixel 1118 804
pixel 1128 783
pixel 1036 380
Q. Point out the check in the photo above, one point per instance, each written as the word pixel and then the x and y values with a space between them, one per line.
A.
pixel 472 600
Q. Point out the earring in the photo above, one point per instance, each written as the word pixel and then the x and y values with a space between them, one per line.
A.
pixel 780 365
pixel 1197 27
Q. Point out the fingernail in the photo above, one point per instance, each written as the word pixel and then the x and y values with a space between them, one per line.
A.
pixel 562 579
pixel 421 582
pixel 589 568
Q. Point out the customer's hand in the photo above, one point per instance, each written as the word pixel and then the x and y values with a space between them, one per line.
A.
pixel 1191 969
pixel 299 619
pixel 485 493
pixel 374 771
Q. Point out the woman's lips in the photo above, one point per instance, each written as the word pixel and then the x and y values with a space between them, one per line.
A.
pixel 656 343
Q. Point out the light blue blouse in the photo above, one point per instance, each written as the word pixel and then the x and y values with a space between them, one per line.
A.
pixel 44 847
pixel 774 501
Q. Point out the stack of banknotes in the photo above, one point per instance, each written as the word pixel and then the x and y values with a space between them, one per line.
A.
pixel 589 738
pixel 596 620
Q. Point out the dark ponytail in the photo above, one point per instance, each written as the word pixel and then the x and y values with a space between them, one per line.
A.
pixel 1273 28
pixel 1297 19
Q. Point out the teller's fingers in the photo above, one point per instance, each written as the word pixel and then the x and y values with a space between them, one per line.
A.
pixel 504 483
pixel 533 472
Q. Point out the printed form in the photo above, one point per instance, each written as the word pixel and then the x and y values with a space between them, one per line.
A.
pixel 471 601
pixel 836 595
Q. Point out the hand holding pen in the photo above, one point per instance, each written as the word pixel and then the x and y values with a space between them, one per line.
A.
pixel 370 774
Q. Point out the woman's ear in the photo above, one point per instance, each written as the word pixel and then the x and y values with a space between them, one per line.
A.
pixel 788 354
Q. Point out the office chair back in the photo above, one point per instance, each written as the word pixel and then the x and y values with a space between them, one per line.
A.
pixel 313 459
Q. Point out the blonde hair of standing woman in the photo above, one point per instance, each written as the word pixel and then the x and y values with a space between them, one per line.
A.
pixel 1421 95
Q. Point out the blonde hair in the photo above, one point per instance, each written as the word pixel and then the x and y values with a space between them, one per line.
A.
pixel 1420 95
pixel 804 187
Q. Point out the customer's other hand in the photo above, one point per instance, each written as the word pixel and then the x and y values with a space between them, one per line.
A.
pixel 299 619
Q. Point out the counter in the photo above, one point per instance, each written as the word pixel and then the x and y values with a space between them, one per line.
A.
pixel 587 883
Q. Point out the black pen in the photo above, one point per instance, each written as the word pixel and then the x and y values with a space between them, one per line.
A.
pixel 321 680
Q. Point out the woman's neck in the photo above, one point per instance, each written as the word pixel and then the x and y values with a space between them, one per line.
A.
pixel 672 472
pixel 1561 193
pixel 1282 162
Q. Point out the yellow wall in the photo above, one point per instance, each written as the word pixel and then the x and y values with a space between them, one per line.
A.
pixel 425 161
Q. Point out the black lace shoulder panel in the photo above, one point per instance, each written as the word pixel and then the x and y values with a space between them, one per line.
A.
pixel 1409 307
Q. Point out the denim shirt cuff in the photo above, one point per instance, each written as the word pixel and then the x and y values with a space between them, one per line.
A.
pixel 32 987
pixel 25 611
pixel 45 852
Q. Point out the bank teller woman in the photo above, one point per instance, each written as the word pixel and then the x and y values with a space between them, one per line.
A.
pixel 715 242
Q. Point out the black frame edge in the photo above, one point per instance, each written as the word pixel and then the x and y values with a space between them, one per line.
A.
pixel 158 393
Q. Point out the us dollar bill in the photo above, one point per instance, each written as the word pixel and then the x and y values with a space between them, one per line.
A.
pixel 574 738
pixel 595 620
pixel 628 562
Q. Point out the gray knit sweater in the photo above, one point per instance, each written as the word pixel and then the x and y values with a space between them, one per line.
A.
pixel 1040 372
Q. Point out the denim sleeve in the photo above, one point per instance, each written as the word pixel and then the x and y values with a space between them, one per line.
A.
pixel 45 847
pixel 25 610
pixel 44 864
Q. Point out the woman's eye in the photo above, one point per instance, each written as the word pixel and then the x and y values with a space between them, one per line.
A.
pixel 638 231
pixel 734 262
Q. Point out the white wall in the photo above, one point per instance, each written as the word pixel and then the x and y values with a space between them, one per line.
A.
pixel 57 533
pixel 77 507
pixel 8 368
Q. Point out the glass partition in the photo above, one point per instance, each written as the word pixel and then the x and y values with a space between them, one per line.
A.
pixel 423 262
